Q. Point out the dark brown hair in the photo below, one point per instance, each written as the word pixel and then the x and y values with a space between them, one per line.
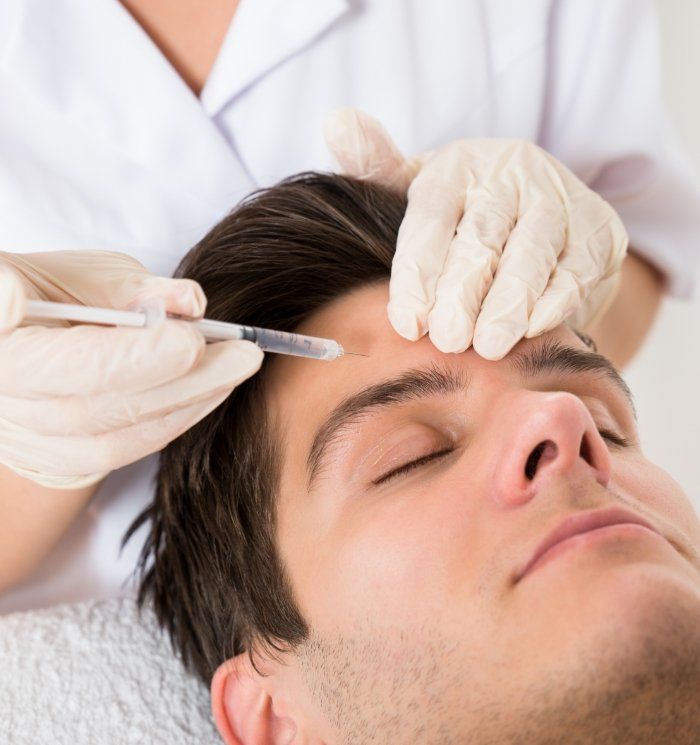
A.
pixel 209 567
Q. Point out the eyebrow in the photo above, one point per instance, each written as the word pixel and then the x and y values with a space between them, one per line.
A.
pixel 435 380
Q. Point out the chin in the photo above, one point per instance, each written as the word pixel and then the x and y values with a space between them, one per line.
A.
pixel 614 654
pixel 639 609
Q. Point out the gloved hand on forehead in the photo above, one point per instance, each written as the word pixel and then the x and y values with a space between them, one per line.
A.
pixel 78 402
pixel 500 241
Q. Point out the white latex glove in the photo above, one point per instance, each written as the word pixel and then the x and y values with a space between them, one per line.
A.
pixel 499 240
pixel 78 402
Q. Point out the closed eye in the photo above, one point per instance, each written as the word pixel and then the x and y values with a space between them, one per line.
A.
pixel 401 470
pixel 613 438
pixel 606 434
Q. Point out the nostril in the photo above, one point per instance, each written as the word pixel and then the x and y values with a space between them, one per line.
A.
pixel 533 460
pixel 548 449
pixel 585 450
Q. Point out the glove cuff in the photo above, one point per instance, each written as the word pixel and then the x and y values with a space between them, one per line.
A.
pixel 59 482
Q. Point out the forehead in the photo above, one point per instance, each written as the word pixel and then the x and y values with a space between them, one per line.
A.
pixel 302 392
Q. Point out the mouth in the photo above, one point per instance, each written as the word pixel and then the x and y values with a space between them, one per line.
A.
pixel 579 524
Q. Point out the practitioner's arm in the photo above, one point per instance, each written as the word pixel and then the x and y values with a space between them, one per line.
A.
pixel 622 330
pixel 32 519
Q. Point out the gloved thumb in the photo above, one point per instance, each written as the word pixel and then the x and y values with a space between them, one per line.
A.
pixel 12 299
pixel 118 280
pixel 106 279
pixel 364 149
pixel 182 296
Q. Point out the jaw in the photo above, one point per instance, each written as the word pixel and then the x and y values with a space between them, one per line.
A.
pixel 628 673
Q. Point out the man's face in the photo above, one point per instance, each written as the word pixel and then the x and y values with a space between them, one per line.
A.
pixel 422 629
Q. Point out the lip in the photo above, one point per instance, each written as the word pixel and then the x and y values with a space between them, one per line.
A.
pixel 579 523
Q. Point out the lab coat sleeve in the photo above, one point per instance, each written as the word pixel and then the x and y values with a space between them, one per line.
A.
pixel 605 119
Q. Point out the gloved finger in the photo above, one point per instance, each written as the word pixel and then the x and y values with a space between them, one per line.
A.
pixel 364 149
pixel 522 275
pixel 12 299
pixel 597 304
pixel 586 261
pixel 562 296
pixel 84 360
pixel 471 262
pixel 435 206
pixel 568 288
pixel 224 365
pixel 99 454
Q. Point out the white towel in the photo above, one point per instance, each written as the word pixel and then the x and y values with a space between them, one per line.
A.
pixel 93 673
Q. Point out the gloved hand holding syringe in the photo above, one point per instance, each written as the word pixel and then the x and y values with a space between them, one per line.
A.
pixel 78 400
pixel 269 340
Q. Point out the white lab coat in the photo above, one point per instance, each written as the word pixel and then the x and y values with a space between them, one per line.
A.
pixel 103 146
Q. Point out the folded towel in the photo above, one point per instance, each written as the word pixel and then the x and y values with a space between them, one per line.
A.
pixel 96 672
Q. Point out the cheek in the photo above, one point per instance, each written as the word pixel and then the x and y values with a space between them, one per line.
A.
pixel 395 558
pixel 651 487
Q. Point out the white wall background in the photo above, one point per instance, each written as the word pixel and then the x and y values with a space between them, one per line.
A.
pixel 665 375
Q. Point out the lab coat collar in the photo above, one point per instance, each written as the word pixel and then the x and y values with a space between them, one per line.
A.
pixel 262 35
pixel 92 64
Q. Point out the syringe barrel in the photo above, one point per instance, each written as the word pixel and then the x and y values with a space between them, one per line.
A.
pixel 285 342
pixel 269 340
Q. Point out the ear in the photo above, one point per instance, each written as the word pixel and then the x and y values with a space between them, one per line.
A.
pixel 243 707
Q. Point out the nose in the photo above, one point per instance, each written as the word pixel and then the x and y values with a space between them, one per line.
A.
pixel 546 435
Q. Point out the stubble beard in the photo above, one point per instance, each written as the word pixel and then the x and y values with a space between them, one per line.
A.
pixel 408 688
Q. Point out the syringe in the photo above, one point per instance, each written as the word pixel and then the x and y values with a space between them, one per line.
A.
pixel 282 342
